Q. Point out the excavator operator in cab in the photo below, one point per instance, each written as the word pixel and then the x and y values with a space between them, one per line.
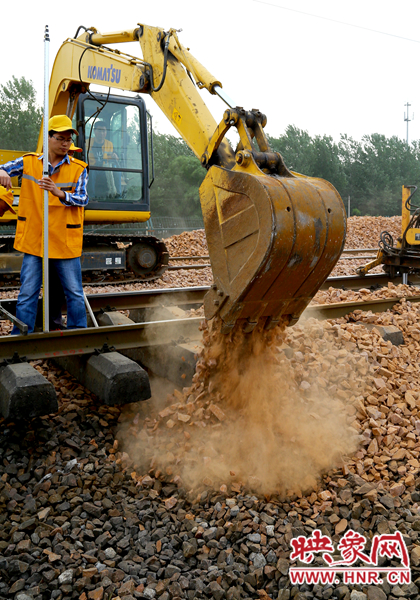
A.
pixel 101 154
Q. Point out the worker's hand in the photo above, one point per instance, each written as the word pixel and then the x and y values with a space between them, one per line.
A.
pixel 5 180
pixel 46 183
pixel 4 207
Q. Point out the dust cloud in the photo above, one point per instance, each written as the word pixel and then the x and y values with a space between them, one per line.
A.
pixel 259 413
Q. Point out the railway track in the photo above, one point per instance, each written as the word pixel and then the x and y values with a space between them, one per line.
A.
pixel 370 281
pixel 158 336
pixel 150 332
pixel 66 445
pixel 113 359
pixel 174 338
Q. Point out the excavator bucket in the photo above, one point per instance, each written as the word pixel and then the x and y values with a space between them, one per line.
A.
pixel 273 239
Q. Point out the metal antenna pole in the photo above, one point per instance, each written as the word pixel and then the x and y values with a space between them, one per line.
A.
pixel 45 172
pixel 406 118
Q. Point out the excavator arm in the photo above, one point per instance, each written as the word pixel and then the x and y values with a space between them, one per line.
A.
pixel 273 235
pixel 86 60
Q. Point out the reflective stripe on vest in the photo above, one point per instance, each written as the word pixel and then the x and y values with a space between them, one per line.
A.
pixel 61 185
pixel 65 223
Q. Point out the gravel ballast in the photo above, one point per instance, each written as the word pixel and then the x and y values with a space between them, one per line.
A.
pixel 129 502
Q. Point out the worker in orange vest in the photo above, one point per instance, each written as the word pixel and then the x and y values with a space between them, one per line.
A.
pixel 67 187
pixel 57 297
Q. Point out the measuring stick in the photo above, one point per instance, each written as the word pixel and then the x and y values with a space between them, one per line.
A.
pixel 45 173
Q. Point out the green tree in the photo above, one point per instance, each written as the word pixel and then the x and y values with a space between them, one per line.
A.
pixel 326 162
pixel 371 171
pixel 296 148
pixel 315 157
pixel 178 176
pixel 20 117
pixel 376 169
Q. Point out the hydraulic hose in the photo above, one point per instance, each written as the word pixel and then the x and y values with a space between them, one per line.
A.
pixel 165 64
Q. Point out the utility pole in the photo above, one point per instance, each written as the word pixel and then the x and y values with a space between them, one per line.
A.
pixel 407 119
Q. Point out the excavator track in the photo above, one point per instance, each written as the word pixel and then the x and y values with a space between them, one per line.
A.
pixel 145 256
pixel 107 259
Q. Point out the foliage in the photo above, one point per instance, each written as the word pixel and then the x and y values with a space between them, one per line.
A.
pixel 317 157
pixel 296 147
pixel 20 117
pixel 372 172
pixel 178 176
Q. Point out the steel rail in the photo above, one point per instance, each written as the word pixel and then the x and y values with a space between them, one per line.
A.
pixel 357 257
pixel 155 298
pixel 183 297
pixel 354 282
pixel 76 342
pixel 207 265
pixel 196 266
pixel 347 250
pixel 88 341
pixel 341 309
pixel 207 257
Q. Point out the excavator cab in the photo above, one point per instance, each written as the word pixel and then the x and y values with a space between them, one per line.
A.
pixel 115 137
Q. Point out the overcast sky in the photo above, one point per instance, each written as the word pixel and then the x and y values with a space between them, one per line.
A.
pixel 329 67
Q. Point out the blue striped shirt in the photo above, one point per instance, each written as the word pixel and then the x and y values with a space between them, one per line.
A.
pixel 78 198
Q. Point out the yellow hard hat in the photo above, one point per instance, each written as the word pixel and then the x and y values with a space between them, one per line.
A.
pixel 61 123
pixel 7 196
pixel 74 148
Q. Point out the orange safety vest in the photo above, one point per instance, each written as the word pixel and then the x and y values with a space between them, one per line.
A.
pixel 107 149
pixel 65 223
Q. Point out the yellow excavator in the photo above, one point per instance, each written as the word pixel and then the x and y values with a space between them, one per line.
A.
pixel 273 235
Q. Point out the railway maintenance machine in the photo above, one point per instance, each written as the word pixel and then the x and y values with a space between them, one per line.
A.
pixel 273 235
